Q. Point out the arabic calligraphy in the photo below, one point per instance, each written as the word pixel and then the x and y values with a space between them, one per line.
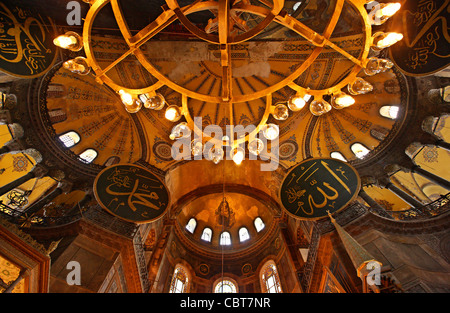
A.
pixel 25 42
pixel 131 192
pixel 424 48
pixel 316 186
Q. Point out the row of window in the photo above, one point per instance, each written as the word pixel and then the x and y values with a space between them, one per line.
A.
pixel 70 139
pixel 358 149
pixel 225 236
pixel 270 281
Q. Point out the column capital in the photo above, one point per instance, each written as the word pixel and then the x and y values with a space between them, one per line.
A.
pixel 65 186
pixel 14 146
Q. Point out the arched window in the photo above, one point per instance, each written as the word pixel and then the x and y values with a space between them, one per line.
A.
pixel 70 138
pixel 270 279
pixel 112 160
pixel 389 111
pixel 225 285
pixel 206 234
pixel 179 281
pixel 243 234
pixel 191 225
pixel 359 150
pixel 259 224
pixel 225 239
pixel 338 155
pixel 57 116
pixel 88 155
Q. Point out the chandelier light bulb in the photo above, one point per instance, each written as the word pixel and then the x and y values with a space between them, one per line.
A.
pixel 296 103
pixel 78 65
pixel 372 67
pixel 126 98
pixel 173 113
pixel 280 112
pixel 389 9
pixel 380 13
pixel 238 155
pixel 155 102
pixel 181 130
pixel 216 154
pixel 319 107
pixel 256 146
pixel 359 86
pixel 342 100
pixel 196 147
pixel 271 131
pixel 385 40
pixel 64 41
pixel 69 40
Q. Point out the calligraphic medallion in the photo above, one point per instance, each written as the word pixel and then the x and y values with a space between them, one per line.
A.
pixel 132 193
pixel 424 49
pixel 26 41
pixel 318 185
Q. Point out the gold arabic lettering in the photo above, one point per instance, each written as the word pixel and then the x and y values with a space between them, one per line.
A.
pixel 327 197
pixel 32 49
pixel 142 199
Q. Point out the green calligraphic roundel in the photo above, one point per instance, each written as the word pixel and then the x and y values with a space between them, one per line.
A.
pixel 316 186
pixel 424 49
pixel 132 193
pixel 26 41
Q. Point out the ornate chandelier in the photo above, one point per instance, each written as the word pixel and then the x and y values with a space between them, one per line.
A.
pixel 226 30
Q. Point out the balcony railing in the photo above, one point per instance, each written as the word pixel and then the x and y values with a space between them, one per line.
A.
pixel 430 210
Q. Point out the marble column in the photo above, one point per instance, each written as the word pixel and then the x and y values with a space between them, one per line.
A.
pixel 404 196
pixel 431 177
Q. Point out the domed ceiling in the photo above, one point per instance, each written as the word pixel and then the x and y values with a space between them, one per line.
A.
pixel 195 66
pixel 260 66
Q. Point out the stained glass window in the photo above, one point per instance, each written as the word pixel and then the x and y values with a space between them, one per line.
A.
pixel 206 234
pixel 243 234
pixel 191 225
pixel 259 224
pixel 389 111
pixel 88 155
pixel 338 155
pixel 70 138
pixel 225 239
pixel 225 286
pixel 270 278
pixel 359 150
pixel 179 281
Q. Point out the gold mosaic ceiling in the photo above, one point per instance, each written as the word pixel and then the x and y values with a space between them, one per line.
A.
pixel 98 115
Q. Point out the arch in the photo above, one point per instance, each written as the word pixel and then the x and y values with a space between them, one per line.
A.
pixel 225 285
pixel 112 160
pixel 389 111
pixel 70 138
pixel 88 155
pixel 270 281
pixel 206 234
pixel 180 280
pixel 191 225
pixel 359 150
pixel 225 239
pixel 243 234
pixel 259 224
